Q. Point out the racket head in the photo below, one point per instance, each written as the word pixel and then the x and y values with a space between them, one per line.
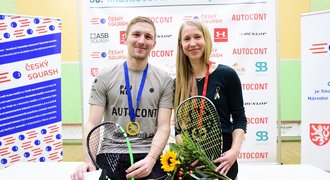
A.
pixel 198 117
pixel 110 136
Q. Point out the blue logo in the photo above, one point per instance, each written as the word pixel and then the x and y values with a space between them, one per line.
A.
pixel 13 24
pixel 52 27
pixel 103 21
pixel 21 137
pixel 6 35
pixel 36 21
pixel 17 75
pixel 26 154
pixel 42 159
pixel 48 148
pixel 262 136
pixel 4 161
pixel 29 31
pixel 103 54
pixel 37 142
pixel 261 66
pixel 14 148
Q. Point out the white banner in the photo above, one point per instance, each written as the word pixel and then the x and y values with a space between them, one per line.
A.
pixel 315 89
pixel 244 37
pixel 30 90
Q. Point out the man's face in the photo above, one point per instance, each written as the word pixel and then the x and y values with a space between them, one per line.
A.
pixel 140 40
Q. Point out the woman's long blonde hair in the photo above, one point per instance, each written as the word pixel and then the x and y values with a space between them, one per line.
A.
pixel 184 73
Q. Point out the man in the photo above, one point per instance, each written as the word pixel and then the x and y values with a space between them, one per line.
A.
pixel 151 116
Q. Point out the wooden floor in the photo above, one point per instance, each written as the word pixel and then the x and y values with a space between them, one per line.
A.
pixel 290 152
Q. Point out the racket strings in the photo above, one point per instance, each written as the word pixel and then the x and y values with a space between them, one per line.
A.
pixel 113 160
pixel 94 145
pixel 110 141
pixel 207 135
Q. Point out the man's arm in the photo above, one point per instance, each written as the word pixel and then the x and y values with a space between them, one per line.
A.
pixel 144 167
pixel 95 118
pixel 162 134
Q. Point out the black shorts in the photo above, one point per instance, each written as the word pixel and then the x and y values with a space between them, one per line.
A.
pixel 116 171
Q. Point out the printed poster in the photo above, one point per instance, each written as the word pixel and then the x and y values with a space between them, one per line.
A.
pixel 30 89
pixel 244 38
pixel 315 89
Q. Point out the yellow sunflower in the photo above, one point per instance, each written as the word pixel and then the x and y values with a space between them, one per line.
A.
pixel 169 161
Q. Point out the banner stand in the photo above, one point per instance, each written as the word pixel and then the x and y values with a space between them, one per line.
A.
pixel 30 89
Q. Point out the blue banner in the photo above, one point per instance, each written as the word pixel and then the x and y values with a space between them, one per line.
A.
pixel 30 48
pixel 30 106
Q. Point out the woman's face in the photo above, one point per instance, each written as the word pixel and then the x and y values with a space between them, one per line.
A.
pixel 192 42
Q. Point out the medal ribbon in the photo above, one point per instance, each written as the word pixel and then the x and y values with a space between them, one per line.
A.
pixel 194 92
pixel 128 90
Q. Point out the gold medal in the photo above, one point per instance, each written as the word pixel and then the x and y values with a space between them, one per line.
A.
pixel 133 128
pixel 199 134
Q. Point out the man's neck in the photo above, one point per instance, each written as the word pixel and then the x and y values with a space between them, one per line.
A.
pixel 137 65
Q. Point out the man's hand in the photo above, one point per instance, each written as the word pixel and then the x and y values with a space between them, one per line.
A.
pixel 141 168
pixel 81 169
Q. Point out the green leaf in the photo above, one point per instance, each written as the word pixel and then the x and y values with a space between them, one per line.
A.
pixel 187 152
pixel 174 147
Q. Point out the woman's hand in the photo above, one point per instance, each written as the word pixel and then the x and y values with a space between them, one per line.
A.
pixel 226 160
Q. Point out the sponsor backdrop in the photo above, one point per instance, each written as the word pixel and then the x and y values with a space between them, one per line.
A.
pixel 244 37
pixel 315 89
pixel 30 89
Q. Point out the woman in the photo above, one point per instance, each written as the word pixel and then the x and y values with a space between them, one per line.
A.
pixel 223 89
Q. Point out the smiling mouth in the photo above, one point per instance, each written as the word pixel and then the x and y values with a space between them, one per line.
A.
pixel 140 48
pixel 194 49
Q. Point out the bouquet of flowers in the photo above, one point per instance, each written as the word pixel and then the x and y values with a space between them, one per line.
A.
pixel 177 161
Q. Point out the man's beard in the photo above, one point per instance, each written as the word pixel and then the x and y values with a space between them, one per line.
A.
pixel 140 56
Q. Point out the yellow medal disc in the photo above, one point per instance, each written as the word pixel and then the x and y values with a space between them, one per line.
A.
pixel 132 128
pixel 199 134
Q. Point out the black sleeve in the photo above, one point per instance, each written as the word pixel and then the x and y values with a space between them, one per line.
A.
pixel 236 104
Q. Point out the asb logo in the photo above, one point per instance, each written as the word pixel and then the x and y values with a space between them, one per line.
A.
pixel 220 34
pixel 99 37
pixel 320 48
pixel 319 133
